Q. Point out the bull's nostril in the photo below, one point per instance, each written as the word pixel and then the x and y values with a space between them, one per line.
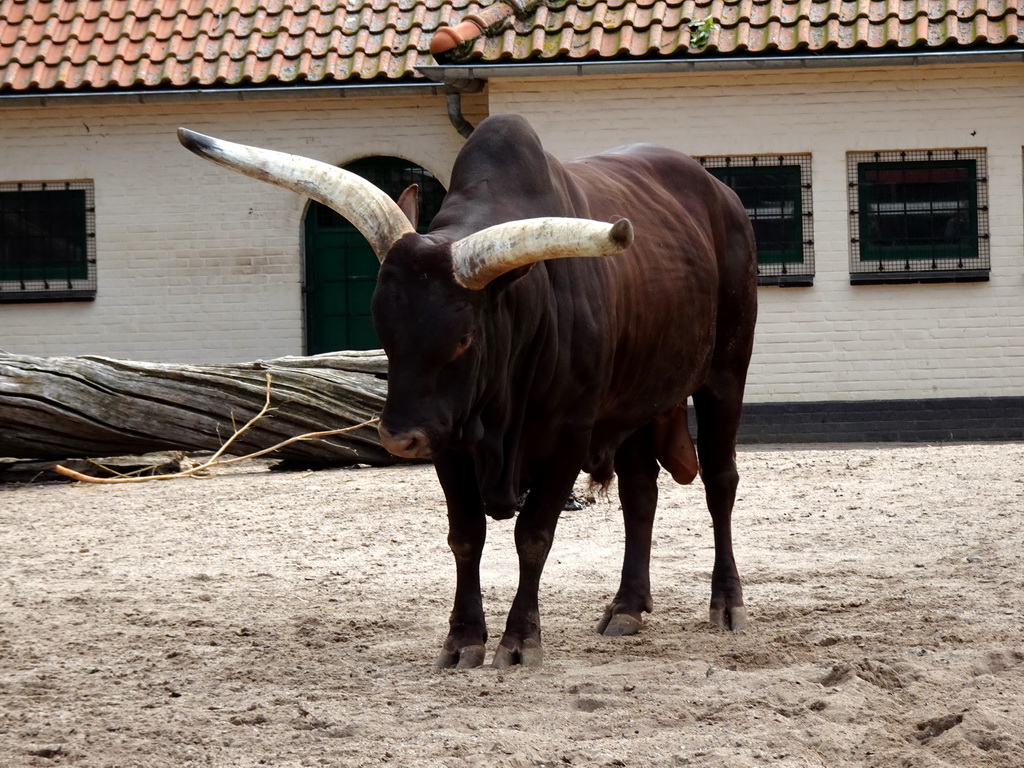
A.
pixel 411 444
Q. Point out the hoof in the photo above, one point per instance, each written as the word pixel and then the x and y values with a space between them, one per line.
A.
pixel 619 625
pixel 733 619
pixel 465 658
pixel 530 656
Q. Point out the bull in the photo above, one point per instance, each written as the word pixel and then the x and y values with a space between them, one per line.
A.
pixel 555 319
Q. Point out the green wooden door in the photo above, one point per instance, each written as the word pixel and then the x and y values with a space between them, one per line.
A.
pixel 341 268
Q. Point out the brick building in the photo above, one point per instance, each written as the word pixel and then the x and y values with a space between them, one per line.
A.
pixel 878 147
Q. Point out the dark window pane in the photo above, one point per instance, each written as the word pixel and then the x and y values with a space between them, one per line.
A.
pixel 918 210
pixel 772 197
pixel 43 235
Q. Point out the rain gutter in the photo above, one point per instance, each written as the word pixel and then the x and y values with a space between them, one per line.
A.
pixel 456 74
pixel 219 94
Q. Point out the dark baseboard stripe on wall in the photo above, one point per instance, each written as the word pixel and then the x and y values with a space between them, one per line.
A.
pixel 871 421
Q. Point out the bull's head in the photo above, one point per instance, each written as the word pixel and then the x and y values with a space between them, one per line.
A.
pixel 424 280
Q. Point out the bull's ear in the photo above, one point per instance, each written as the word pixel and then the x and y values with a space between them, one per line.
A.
pixel 409 202
pixel 502 282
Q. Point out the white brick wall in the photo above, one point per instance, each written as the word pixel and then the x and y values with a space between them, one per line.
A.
pixel 834 340
pixel 196 263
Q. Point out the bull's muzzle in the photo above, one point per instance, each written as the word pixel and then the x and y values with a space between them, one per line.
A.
pixel 410 444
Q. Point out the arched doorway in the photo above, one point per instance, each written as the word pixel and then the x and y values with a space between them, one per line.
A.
pixel 341 268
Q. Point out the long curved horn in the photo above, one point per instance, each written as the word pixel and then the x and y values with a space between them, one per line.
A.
pixel 481 257
pixel 377 217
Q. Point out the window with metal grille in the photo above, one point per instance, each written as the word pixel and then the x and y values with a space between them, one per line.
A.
pixel 918 216
pixel 776 191
pixel 47 241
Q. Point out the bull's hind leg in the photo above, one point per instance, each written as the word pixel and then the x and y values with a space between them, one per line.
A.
pixel 718 418
pixel 719 403
pixel 637 468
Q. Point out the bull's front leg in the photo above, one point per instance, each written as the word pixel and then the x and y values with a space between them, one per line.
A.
pixel 535 532
pixel 467 530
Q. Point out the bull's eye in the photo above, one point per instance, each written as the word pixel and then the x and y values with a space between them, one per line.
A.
pixel 465 342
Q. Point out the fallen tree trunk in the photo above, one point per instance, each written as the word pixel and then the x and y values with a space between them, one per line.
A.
pixel 61 407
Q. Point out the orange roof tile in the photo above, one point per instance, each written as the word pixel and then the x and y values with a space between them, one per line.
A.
pixel 54 45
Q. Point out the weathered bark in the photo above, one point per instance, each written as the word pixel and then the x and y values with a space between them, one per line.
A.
pixel 60 407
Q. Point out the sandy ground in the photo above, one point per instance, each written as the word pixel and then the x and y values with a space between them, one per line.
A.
pixel 262 618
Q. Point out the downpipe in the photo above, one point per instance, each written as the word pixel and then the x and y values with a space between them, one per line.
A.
pixel 458 120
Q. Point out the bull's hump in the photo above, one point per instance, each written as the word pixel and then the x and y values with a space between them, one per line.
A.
pixel 508 125
pixel 501 147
